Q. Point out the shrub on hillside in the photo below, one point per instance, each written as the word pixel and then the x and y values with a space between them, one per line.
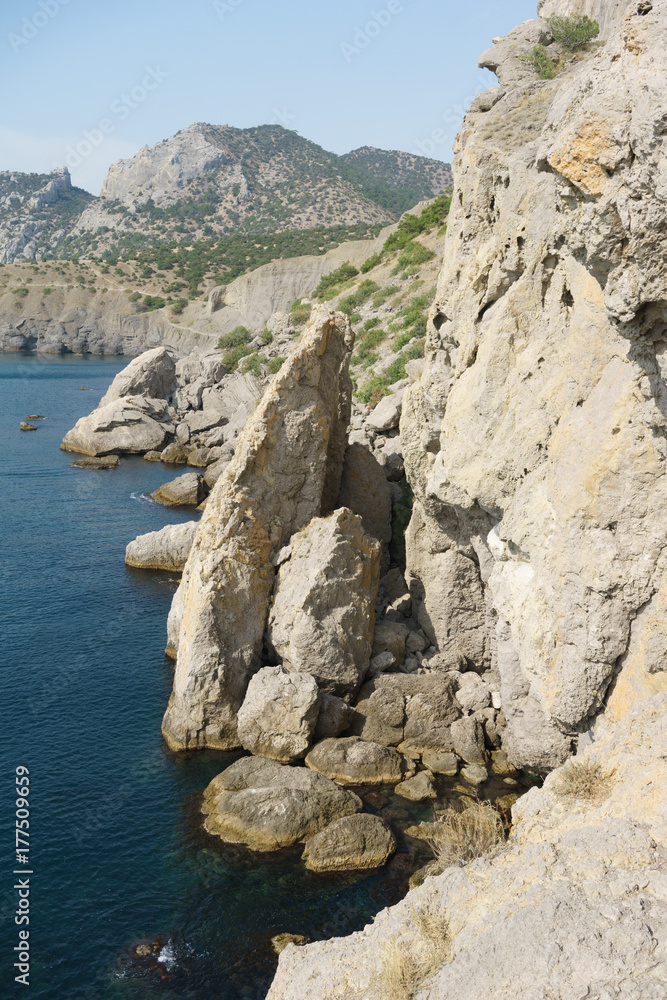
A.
pixel 574 32
pixel 545 66
pixel 239 335
pixel 337 277
pixel 370 263
pixel 300 313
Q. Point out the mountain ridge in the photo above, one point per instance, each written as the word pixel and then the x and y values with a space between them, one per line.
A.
pixel 211 183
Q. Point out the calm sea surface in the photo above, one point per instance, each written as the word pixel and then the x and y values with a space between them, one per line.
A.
pixel 117 850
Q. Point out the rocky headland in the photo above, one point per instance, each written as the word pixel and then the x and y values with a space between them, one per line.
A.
pixel 517 627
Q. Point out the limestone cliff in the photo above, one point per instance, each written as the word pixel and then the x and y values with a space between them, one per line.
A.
pixel 535 437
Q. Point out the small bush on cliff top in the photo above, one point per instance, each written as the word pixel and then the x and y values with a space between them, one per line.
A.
pixel 582 779
pixel 573 33
pixel 464 836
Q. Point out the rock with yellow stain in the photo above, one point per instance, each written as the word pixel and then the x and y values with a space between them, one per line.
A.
pixel 286 470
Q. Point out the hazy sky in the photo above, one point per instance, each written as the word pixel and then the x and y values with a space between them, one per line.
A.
pixel 86 82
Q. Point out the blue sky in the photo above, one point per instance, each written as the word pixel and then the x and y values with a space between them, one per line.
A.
pixel 106 78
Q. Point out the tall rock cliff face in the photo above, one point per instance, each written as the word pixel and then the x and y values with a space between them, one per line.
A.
pixel 535 436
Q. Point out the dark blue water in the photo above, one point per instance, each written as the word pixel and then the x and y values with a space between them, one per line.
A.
pixel 117 849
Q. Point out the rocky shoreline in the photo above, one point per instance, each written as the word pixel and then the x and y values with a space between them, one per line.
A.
pixel 521 627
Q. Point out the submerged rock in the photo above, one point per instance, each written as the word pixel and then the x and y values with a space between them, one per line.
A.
pixel 353 842
pixel 323 610
pixel 25 426
pixel 90 462
pixel 166 549
pixel 278 715
pixel 419 788
pixel 266 805
pixel 285 471
pixel 185 491
pixel 351 761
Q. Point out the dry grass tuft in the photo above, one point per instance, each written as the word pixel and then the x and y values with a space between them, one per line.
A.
pixel 408 965
pixel 464 836
pixel 583 778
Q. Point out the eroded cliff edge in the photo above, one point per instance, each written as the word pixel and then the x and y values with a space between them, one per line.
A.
pixel 535 437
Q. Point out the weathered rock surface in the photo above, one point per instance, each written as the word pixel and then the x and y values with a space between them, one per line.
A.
pixel 534 438
pixel 184 491
pixel 419 788
pixel 267 805
pixel 166 549
pixel 132 424
pixel 152 375
pixel 334 717
pixel 278 715
pixel 365 490
pixel 441 763
pixel 360 841
pixel 416 711
pixel 353 761
pixel 468 740
pixel 583 880
pixel 285 471
pixel 189 406
pixel 323 611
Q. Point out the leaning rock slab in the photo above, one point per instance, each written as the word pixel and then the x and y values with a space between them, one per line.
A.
pixel 267 805
pixel 166 549
pixel 353 842
pixel 152 375
pixel 279 713
pixel 323 610
pixel 285 471
pixel 351 761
